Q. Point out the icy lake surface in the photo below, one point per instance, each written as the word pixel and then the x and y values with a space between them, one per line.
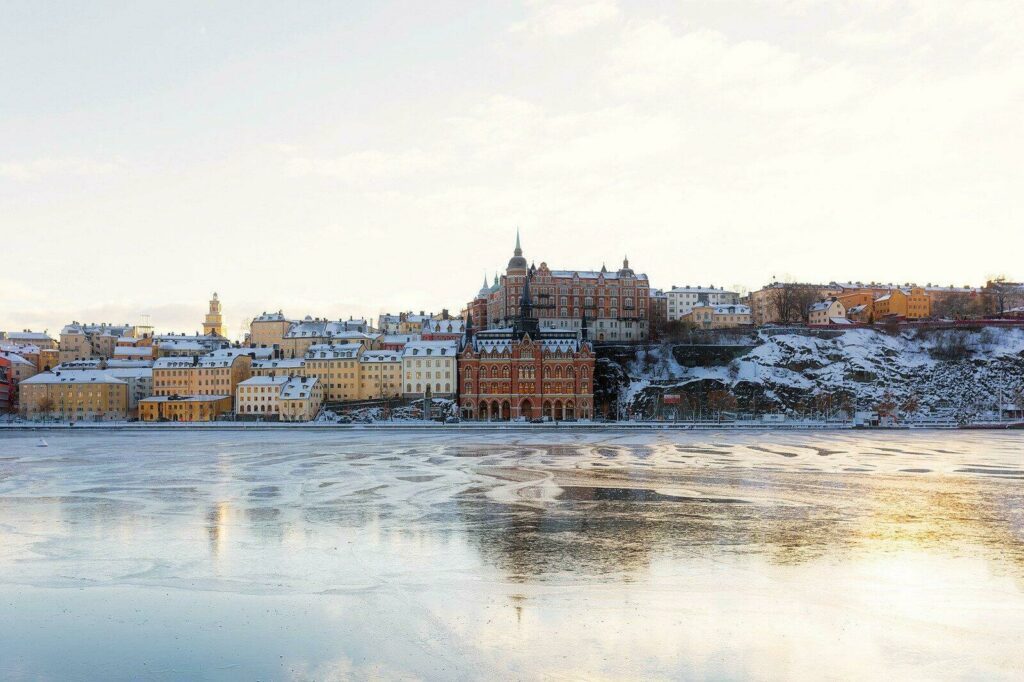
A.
pixel 319 555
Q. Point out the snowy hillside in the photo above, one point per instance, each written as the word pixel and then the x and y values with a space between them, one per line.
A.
pixel 957 372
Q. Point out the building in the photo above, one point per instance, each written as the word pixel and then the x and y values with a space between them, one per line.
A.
pixel 180 345
pixel 336 366
pixel 260 396
pixel 74 395
pixel 861 314
pixel 719 316
pixel 784 302
pixel 681 300
pixel 301 399
pixel 86 341
pixel 380 374
pixel 525 371
pixel 191 408
pixel 216 374
pixel 312 332
pixel 430 366
pixel 912 303
pixel 658 312
pixel 41 340
pixel 829 311
pixel 139 381
pixel 21 367
pixel 144 353
pixel 213 325
pixel 451 329
pixel 397 341
pixel 268 330
pixel 7 397
pixel 616 303
pixel 279 367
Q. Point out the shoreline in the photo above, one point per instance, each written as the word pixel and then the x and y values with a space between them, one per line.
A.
pixel 489 427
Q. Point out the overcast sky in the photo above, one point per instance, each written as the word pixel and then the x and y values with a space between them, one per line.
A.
pixel 342 159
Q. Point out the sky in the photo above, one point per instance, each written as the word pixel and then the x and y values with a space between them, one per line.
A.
pixel 339 159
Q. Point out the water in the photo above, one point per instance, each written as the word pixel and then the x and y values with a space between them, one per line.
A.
pixel 315 555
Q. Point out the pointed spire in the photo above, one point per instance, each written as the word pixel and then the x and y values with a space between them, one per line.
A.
pixel 485 279
pixel 519 249
pixel 625 262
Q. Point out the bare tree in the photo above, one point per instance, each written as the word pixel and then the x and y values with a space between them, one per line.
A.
pixel 45 407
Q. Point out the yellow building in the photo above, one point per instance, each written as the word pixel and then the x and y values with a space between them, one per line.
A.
pixel 380 374
pixel 260 396
pixel 218 373
pixel 913 303
pixel 269 330
pixel 337 369
pixel 88 341
pixel 214 322
pixel 301 399
pixel 74 395
pixel 193 408
pixel 863 313
pixel 272 368
pixel 719 316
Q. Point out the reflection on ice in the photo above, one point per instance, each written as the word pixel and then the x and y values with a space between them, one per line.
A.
pixel 302 555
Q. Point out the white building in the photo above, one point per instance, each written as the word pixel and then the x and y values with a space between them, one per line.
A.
pixel 682 300
pixel 430 363
pixel 829 311
pixel 301 398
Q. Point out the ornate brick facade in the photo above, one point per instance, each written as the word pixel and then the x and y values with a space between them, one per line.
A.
pixel 526 372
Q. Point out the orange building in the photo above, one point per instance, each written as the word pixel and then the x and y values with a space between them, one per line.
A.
pixel 912 303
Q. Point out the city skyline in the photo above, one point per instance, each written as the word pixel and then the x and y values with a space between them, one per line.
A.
pixel 152 157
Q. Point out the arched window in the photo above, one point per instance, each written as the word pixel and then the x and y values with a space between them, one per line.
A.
pixel 504 372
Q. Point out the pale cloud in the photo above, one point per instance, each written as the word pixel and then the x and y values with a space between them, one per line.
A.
pixel 37 169
pixel 560 18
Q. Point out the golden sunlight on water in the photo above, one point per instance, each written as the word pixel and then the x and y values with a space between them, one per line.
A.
pixel 767 556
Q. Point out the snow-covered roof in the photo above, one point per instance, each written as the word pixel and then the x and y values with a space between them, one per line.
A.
pixel 28 336
pixel 77 376
pixel 452 326
pixel 264 381
pixel 839 320
pixel 20 348
pixel 430 348
pixel 381 356
pixel 857 309
pixel 324 329
pixel 699 290
pixel 255 353
pixel 271 317
pixel 103 329
pixel 15 358
pixel 117 362
pixel 822 306
pixel 133 351
pixel 130 372
pixel 79 364
pixel 326 351
pixel 290 363
pixel 298 388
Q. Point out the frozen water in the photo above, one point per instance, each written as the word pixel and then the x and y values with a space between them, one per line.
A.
pixel 316 555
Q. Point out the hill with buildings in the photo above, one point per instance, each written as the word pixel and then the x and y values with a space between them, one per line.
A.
pixel 957 373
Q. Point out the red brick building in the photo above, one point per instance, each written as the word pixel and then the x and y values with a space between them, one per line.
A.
pixel 526 372
pixel 616 303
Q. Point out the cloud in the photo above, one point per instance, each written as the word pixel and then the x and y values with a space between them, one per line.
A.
pixel 38 169
pixel 565 17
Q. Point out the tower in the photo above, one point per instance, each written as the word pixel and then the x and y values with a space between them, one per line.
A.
pixel 214 322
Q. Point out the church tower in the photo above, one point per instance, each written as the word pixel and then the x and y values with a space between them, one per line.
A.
pixel 214 323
